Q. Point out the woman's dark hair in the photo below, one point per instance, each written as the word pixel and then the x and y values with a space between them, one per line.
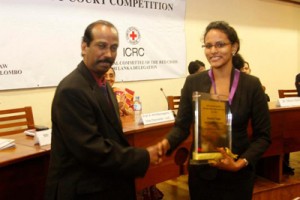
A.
pixel 225 28
pixel 238 61
pixel 88 36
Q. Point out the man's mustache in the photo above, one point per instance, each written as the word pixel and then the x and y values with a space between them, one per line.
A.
pixel 110 61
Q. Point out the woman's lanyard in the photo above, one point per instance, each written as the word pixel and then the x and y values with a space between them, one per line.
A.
pixel 233 87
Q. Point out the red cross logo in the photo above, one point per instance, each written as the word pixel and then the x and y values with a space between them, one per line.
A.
pixel 133 35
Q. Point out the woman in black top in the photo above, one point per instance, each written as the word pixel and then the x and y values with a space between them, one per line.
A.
pixel 227 179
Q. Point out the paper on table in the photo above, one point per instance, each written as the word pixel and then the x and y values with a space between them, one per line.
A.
pixel 30 132
pixel 6 143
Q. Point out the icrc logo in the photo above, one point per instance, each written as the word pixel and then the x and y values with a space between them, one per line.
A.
pixel 133 35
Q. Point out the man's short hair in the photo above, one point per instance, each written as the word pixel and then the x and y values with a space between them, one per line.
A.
pixel 88 36
pixel 194 66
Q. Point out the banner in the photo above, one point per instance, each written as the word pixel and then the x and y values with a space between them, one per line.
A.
pixel 41 39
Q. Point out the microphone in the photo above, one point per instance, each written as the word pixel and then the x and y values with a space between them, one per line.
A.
pixel 166 99
pixel 164 94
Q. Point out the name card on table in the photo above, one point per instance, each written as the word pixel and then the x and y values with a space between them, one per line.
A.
pixel 156 117
pixel 43 137
pixel 288 102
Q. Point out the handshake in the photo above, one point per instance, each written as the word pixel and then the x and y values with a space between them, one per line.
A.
pixel 157 151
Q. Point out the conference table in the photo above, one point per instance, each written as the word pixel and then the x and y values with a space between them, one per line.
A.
pixel 285 134
pixel 23 168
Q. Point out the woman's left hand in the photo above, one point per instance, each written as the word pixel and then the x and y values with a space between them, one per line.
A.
pixel 227 162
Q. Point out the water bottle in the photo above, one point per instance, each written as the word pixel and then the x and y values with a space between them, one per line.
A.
pixel 137 107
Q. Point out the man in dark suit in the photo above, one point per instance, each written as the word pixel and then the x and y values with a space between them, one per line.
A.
pixel 90 156
pixel 297 83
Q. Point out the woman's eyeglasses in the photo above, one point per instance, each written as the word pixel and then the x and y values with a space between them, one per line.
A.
pixel 217 45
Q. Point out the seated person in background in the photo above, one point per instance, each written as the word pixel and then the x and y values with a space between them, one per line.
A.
pixel 125 98
pixel 244 66
pixel 287 169
pixel 297 83
pixel 196 66
pixel 267 96
pixel 110 76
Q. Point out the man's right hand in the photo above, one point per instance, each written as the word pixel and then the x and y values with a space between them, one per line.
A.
pixel 163 147
pixel 155 157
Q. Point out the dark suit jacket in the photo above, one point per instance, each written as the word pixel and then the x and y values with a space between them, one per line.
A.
pixel 89 152
pixel 249 103
pixel 297 83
